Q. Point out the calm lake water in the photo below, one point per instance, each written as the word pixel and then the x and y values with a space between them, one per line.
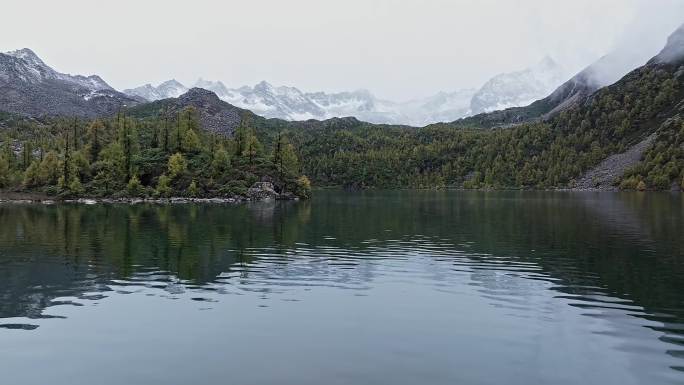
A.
pixel 348 288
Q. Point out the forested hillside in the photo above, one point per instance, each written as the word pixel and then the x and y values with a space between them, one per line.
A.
pixel 199 145
pixel 546 154
pixel 165 150
pixel 168 155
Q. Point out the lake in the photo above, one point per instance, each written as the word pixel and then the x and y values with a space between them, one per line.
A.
pixel 379 287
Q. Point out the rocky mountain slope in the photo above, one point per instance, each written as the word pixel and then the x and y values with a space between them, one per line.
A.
pixel 30 87
pixel 656 161
pixel 214 114
pixel 606 174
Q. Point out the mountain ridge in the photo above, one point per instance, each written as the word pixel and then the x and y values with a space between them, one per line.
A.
pixel 29 87
pixel 290 103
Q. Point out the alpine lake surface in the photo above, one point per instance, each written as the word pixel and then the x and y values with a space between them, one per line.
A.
pixel 375 287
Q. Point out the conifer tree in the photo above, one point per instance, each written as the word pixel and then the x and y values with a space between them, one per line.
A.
pixel 67 160
pixel 94 144
pixel 5 172
pixel 178 132
pixel 166 129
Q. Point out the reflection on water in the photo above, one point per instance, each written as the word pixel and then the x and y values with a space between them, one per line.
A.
pixel 375 287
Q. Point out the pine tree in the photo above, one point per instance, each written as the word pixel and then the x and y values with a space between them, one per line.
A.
pixel 112 173
pixel 49 169
pixel 9 153
pixel 252 147
pixel 191 142
pixel 155 135
pixel 163 187
pixel 66 163
pixel 5 172
pixel 94 144
pixel 277 153
pixel 177 165
pixel 221 162
pixel 242 135
pixel 26 155
pixel 166 129
pixel 285 158
pixel 127 148
pixel 75 187
pixel 76 134
pixel 193 190
pixel 32 175
pixel 134 187
pixel 178 133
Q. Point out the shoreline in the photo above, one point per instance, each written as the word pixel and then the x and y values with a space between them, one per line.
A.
pixel 19 198
pixel 134 201
pixel 38 198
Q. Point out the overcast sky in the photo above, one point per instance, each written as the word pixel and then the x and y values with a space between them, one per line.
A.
pixel 398 49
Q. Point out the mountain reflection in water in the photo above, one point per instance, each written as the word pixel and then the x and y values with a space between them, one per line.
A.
pixel 367 287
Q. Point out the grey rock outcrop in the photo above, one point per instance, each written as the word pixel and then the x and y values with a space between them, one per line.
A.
pixel 606 174
pixel 215 114
pixel 262 191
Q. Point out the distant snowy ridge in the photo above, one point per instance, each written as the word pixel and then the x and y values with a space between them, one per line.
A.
pixel 289 103
pixel 168 89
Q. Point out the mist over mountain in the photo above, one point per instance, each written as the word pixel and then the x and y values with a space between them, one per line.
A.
pixel 518 88
pixel 673 50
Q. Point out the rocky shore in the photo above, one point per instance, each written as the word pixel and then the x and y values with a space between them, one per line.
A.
pixel 259 192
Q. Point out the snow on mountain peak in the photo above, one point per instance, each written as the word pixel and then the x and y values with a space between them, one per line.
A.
pixel 49 92
pixel 519 88
pixel 171 83
pixel 38 71
pixel 263 86
pixel 218 87
pixel 290 103
pixel 27 55
pixel 168 89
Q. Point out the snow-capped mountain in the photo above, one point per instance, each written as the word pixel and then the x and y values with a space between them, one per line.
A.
pixel 37 71
pixel 168 89
pixel 28 86
pixel 275 102
pixel 519 88
pixel 289 103
pixel 216 87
